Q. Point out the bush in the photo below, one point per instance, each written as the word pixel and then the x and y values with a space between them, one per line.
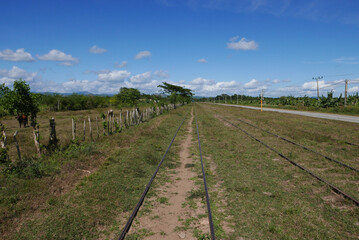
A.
pixel 27 168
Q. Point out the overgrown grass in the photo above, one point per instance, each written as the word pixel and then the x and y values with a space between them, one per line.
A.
pixel 267 197
pixel 107 179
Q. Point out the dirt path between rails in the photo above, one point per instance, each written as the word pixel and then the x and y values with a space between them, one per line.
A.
pixel 169 218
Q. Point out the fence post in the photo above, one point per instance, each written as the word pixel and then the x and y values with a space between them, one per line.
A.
pixel 98 134
pixel 90 127
pixel 3 136
pixel 83 138
pixel 53 139
pixel 17 146
pixel 121 119
pixel 73 129
pixel 36 134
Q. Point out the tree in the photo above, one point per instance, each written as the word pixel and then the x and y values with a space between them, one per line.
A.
pixel 176 92
pixel 19 100
pixel 129 96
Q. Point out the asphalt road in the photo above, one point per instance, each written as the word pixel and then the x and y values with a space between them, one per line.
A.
pixel 337 117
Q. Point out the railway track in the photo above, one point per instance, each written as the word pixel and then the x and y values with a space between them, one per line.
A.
pixel 332 186
pixel 300 145
pixel 148 186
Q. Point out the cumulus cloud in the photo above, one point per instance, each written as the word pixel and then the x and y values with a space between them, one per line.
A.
pixel 276 81
pixel 313 85
pixel 161 74
pixel 113 76
pixel 242 44
pixel 58 56
pixel 141 78
pixel 15 73
pixel 202 60
pixel 353 89
pixel 18 56
pixel 121 65
pixel 143 54
pixel 96 50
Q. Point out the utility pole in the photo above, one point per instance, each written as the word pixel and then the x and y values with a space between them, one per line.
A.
pixel 317 78
pixel 237 99
pixel 346 92
pixel 262 100
pixel 225 98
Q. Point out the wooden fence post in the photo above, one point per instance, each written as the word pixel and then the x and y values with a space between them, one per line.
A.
pixel 3 136
pixel 17 146
pixel 121 119
pixel 127 123
pixel 90 127
pixel 83 138
pixel 73 129
pixel 53 139
pixel 36 134
pixel 108 125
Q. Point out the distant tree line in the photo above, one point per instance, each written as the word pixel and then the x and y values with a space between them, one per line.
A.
pixel 328 101
pixel 22 101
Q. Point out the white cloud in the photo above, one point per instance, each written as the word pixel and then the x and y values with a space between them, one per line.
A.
pixel 242 44
pixel 121 65
pixel 313 85
pixel 353 89
pixel 96 50
pixel 161 74
pixel 143 54
pixel 251 84
pixel 113 76
pixel 18 56
pixel 141 78
pixel 58 56
pixel 15 73
pixel 276 81
pixel 202 81
pixel 202 60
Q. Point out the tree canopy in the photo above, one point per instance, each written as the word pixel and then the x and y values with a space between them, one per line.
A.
pixel 19 100
pixel 177 93
pixel 129 96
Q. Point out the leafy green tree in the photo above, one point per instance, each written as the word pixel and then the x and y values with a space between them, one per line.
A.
pixel 20 100
pixel 129 96
pixel 176 93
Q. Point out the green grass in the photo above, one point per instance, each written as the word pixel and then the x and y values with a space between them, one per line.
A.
pixel 101 201
pixel 268 198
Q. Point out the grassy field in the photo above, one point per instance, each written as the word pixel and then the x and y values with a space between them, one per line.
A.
pixel 267 197
pixel 63 128
pixel 87 190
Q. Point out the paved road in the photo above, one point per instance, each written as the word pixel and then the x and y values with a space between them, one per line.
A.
pixel 338 117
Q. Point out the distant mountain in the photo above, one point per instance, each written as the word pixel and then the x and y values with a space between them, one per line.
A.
pixel 80 93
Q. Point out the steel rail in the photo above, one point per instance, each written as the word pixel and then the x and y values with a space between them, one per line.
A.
pixel 334 188
pixel 137 208
pixel 302 146
pixel 213 237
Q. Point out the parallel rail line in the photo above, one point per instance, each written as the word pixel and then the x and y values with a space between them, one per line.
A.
pixel 334 188
pixel 213 237
pixel 300 145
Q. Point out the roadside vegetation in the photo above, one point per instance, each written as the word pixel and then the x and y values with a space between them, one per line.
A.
pixel 329 103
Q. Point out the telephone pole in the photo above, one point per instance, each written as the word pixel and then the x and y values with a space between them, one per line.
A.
pixel 237 99
pixel 317 78
pixel 262 100
pixel 346 92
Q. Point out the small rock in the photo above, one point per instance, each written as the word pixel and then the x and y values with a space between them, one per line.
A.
pixel 204 221
pixel 357 223
pixel 182 235
pixel 275 159
pixel 268 194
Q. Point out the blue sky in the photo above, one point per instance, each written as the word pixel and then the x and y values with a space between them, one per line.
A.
pixel 210 46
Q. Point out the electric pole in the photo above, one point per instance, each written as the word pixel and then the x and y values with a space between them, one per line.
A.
pixel 237 99
pixel 317 78
pixel 262 100
pixel 346 92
